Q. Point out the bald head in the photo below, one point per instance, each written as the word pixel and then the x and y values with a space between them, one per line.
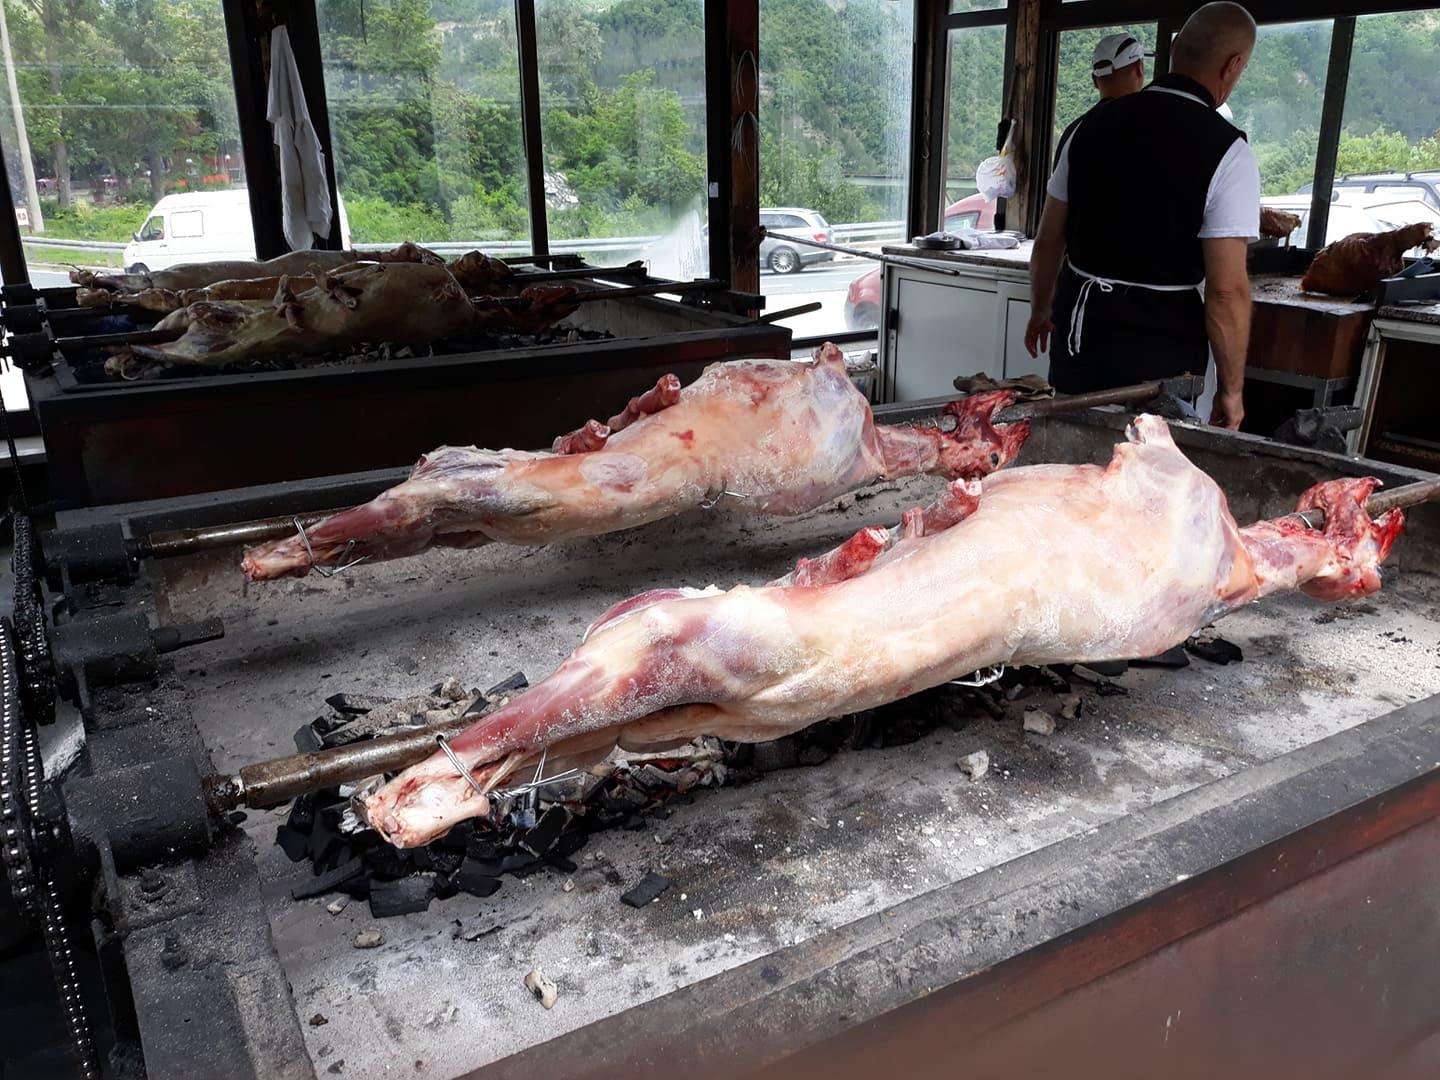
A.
pixel 1214 46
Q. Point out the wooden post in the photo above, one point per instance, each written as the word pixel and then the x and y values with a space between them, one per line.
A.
pixel 732 107
pixel 1028 105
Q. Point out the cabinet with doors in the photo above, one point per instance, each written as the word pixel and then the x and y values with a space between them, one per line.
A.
pixel 948 314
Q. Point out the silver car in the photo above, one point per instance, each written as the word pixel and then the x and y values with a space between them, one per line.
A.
pixel 787 258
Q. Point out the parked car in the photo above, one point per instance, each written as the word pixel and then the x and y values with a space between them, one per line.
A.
pixel 1410 185
pixel 786 258
pixel 862 299
pixel 1355 212
pixel 199 226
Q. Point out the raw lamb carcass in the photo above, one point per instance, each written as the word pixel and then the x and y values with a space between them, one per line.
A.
pixel 1359 262
pixel 1039 565
pixel 778 437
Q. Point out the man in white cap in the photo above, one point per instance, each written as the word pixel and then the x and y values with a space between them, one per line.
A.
pixel 1139 272
pixel 1117 68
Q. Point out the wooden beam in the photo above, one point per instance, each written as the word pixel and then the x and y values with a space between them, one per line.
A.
pixel 732 107
pixel 248 35
pixel 1029 104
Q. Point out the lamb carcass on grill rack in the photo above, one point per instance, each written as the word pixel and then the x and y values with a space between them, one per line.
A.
pixel 1361 261
pixel 1037 565
pixel 778 437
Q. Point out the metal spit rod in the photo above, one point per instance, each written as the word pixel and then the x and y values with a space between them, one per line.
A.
pixel 1183 386
pixel 172 542
pixel 892 260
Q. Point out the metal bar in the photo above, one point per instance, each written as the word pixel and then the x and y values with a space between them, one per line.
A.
pixel 173 542
pixel 12 250
pixel 529 62
pixel 1422 491
pixel 788 313
pixel 930 215
pixel 718 157
pixel 130 337
pixel 270 783
pixel 893 260
pixel 1186 386
pixel 1332 116
pixel 243 31
pixel 653 289
pixel 923 94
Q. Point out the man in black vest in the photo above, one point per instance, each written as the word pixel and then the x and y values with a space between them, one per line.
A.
pixel 1140 244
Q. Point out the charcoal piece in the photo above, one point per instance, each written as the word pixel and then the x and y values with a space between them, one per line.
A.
pixel 776 754
pixel 1054 679
pixel 302 814
pixel 1108 668
pixel 546 831
pixel 307 739
pixel 1170 658
pixel 646 891
pixel 332 812
pixel 559 862
pixel 236 817
pixel 599 790
pixel 388 862
pixel 328 882
pixel 1106 688
pixel 323 840
pixel 633 823
pixel 444 860
pixel 294 843
pixel 512 682
pixel 403 896
pixel 485 849
pixel 519 864
pixel 1216 650
pixel 445 888
pixel 863 730
pixel 338 854
pixel 420 856
pixel 356 887
pixel 738 754
pixel 472 877
pixel 813 755
pixel 458 838
pixel 357 704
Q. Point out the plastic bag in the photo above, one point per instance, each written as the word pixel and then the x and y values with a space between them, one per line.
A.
pixel 995 176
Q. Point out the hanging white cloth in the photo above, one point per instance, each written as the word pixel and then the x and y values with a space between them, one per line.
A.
pixel 304 193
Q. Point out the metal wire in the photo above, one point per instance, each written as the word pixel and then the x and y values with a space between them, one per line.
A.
pixel 981 678
pixel 324 571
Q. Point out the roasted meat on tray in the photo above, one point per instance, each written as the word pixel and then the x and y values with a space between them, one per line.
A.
pixel 774 436
pixel 1360 262
pixel 1037 565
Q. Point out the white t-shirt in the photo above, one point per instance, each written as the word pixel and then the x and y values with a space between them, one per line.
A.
pixel 1232 203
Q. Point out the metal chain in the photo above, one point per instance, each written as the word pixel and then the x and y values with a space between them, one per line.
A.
pixel 37 678
pixel 31 884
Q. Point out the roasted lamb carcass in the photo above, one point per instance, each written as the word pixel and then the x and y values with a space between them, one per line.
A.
pixel 94 287
pixel 404 303
pixel 778 437
pixel 1277 223
pixel 1359 262
pixel 1038 565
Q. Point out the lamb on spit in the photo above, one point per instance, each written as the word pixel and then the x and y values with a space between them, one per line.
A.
pixel 1359 262
pixel 1277 223
pixel 1040 565
pixel 779 437
pixel 411 303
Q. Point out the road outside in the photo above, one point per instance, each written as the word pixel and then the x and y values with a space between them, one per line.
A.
pixel 825 282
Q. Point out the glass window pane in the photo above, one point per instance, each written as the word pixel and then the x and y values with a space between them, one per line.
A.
pixel 834 138
pixel 425 121
pixel 622 101
pixel 1075 89
pixel 121 105
pixel 977 86
pixel 959 6
pixel 1277 103
pixel 1391 121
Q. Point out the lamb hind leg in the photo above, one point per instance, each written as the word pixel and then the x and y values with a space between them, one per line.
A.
pixel 976 446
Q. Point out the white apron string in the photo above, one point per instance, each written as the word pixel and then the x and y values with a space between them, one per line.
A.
pixel 1105 285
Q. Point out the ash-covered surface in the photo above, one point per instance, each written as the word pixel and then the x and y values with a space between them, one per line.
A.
pixel 752 869
pixel 91 367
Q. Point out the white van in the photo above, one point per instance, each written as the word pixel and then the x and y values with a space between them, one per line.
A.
pixel 199 226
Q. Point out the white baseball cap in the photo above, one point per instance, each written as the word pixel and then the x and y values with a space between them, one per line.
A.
pixel 1115 51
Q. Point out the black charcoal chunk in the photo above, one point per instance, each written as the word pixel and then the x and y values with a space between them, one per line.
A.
pixel 1170 658
pixel 520 864
pixel 357 704
pixel 509 685
pixel 473 877
pixel 814 755
pixel 1108 668
pixel 403 896
pixel 235 817
pixel 542 837
pixel 559 862
pixel 328 882
pixel 777 754
pixel 388 862
pixel 324 839
pixel 302 814
pixel 648 890
pixel 294 843
pixel 1216 650
pixel 458 838
pixel 307 739
pixel 572 841
pixel 485 849
pixel 444 860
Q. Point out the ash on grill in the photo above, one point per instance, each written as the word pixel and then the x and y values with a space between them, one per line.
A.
pixel 543 829
pixel 89 367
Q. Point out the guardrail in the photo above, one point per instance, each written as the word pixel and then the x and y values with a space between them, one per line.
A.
pixel 848 233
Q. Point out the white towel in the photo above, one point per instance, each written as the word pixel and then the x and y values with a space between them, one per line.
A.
pixel 304 194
